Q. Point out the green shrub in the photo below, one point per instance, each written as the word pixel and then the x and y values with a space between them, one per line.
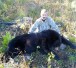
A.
pixel 72 39
pixel 38 60
pixel 34 13
pixel 6 38
pixel 58 20
pixel 58 14
pixel 72 58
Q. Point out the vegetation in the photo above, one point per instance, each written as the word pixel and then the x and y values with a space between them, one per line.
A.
pixel 62 13
pixel 6 38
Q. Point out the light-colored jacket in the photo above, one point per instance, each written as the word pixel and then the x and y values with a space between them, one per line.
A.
pixel 40 25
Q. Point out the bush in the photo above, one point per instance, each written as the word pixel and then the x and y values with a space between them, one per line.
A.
pixel 72 58
pixel 38 60
pixel 6 38
pixel 34 13
pixel 72 39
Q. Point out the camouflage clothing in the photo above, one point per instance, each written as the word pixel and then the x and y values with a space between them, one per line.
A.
pixel 41 25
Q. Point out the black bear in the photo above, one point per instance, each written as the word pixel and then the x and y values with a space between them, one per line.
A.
pixel 28 43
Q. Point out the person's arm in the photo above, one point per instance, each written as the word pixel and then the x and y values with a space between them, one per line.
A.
pixel 33 27
pixel 53 25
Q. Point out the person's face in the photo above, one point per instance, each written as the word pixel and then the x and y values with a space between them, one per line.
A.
pixel 44 15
